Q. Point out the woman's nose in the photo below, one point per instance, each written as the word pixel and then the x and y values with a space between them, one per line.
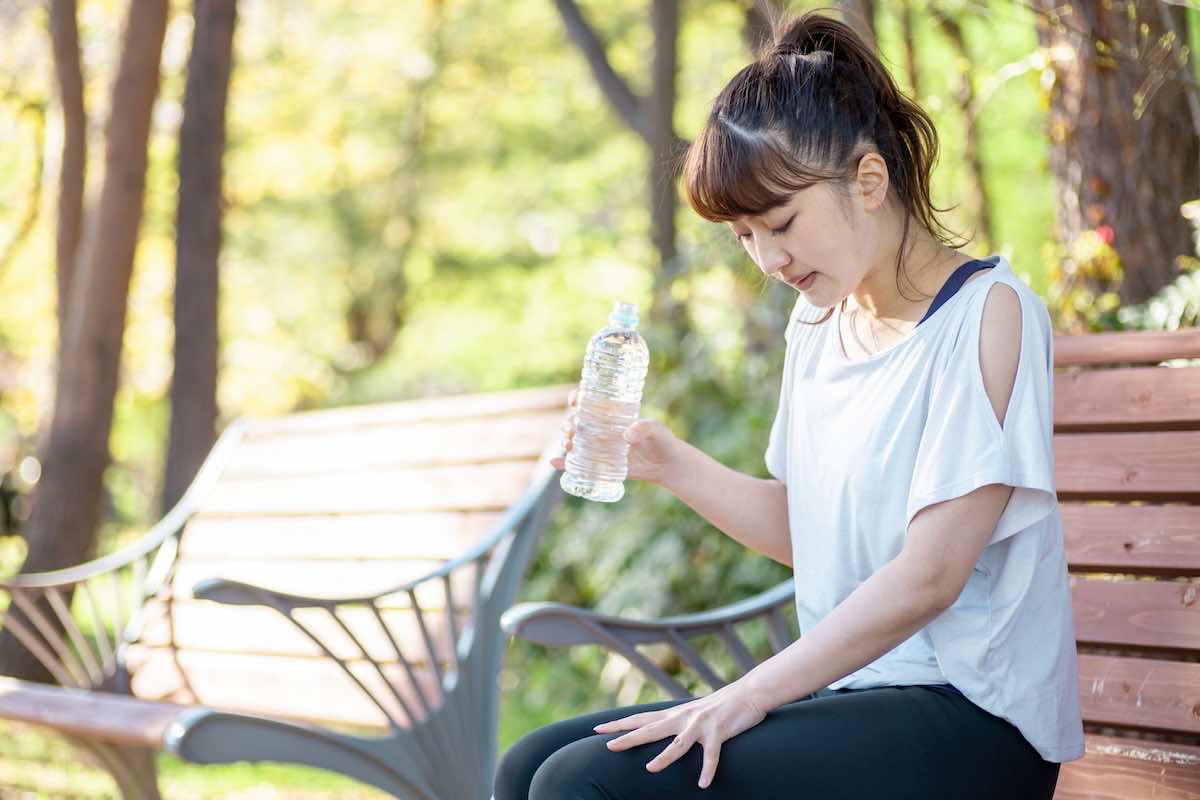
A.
pixel 772 259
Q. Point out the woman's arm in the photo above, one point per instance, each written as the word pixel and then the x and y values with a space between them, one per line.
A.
pixel 899 599
pixel 749 510
pixel 752 511
pixel 941 546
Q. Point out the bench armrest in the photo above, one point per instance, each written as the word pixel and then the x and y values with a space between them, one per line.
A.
pixel 114 586
pixel 165 529
pixel 555 624
pixel 88 714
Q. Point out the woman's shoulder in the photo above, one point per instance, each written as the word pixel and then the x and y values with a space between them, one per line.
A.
pixel 968 314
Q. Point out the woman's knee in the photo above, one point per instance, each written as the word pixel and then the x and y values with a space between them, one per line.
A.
pixel 516 767
pixel 588 770
pixel 584 770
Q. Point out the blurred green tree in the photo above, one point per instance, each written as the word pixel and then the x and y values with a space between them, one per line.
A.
pixel 67 503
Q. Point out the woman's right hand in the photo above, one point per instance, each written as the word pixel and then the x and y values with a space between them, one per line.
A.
pixel 652 445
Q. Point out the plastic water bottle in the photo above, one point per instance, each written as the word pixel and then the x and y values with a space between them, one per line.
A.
pixel 610 397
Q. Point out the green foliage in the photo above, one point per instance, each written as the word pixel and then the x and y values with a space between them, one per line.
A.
pixel 1084 274
pixel 454 170
pixel 1176 305
pixel 1087 274
pixel 477 244
pixel 35 760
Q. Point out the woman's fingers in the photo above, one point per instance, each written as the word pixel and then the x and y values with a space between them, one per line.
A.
pixel 712 754
pixel 681 744
pixel 627 723
pixel 650 732
pixel 628 434
pixel 568 428
pixel 651 726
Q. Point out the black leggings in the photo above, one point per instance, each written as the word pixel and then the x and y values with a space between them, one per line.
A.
pixel 886 743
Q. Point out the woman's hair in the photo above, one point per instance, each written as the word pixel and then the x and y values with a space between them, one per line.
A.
pixel 815 99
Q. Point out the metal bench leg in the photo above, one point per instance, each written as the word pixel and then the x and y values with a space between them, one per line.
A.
pixel 133 768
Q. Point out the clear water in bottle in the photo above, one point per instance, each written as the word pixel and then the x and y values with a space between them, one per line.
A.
pixel 610 397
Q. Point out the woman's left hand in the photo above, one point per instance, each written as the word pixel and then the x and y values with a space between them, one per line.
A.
pixel 710 720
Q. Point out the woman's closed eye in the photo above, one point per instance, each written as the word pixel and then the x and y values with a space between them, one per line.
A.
pixel 774 231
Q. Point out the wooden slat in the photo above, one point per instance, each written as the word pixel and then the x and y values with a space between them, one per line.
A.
pixel 1115 768
pixel 393 446
pixel 1159 614
pixel 113 718
pixel 1162 540
pixel 1126 347
pixel 1139 397
pixel 314 689
pixel 329 578
pixel 488 487
pixel 434 536
pixel 199 625
pixel 1128 466
pixel 471 406
pixel 1140 693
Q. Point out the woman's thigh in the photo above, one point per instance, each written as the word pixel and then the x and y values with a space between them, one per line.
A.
pixel 515 770
pixel 895 742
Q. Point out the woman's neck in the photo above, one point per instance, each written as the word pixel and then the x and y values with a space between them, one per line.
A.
pixel 925 267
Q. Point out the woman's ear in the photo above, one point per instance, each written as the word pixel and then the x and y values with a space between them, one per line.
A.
pixel 872 180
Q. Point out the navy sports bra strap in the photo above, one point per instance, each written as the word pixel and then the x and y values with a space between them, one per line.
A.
pixel 955 282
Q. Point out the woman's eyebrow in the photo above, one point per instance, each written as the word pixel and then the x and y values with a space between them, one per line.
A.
pixel 773 210
pixel 760 217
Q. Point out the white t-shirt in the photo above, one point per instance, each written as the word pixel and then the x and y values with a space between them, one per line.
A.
pixel 864 444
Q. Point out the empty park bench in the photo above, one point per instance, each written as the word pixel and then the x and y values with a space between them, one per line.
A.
pixel 1127 460
pixel 327 592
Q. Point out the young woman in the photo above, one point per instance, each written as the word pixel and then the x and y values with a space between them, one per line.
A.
pixel 913 481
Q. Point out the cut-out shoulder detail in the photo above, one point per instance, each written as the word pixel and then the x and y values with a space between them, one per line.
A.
pixel 1000 346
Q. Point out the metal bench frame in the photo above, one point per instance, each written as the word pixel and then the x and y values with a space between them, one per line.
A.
pixel 449 750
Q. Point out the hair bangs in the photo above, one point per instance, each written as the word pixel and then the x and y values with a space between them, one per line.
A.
pixel 730 172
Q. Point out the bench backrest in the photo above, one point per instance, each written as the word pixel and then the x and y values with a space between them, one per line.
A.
pixel 1127 459
pixel 335 503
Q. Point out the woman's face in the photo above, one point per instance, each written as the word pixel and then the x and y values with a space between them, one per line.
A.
pixel 820 242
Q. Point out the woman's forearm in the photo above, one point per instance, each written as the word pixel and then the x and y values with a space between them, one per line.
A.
pixel 894 603
pixel 750 510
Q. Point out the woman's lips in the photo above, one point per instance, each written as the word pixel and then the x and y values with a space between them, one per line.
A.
pixel 804 282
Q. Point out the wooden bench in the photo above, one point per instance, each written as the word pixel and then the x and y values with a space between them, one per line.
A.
pixel 1127 453
pixel 327 592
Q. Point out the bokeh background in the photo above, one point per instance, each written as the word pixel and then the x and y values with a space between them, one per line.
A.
pixel 425 197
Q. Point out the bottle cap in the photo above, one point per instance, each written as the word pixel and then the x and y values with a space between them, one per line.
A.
pixel 624 314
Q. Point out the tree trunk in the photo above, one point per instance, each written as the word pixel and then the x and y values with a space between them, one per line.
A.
pixel 66 503
pixel 653 120
pixel 665 155
pixel 64 33
pixel 198 245
pixel 1121 159
pixel 860 15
